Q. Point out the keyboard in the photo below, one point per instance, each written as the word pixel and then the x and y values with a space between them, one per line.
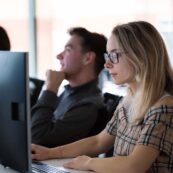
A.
pixel 38 167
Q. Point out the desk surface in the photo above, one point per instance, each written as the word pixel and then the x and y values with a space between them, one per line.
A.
pixel 54 162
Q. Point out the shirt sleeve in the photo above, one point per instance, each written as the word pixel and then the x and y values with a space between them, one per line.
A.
pixel 111 126
pixel 118 114
pixel 157 131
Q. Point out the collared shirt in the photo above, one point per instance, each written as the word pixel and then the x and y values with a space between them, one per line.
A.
pixel 155 131
pixel 67 118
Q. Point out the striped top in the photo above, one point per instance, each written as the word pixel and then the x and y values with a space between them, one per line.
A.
pixel 156 130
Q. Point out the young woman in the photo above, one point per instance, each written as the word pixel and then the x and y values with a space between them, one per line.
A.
pixel 141 129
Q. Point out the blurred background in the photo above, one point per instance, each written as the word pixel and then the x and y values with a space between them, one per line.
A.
pixel 40 26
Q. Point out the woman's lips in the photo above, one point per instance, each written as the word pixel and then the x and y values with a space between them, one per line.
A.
pixel 113 74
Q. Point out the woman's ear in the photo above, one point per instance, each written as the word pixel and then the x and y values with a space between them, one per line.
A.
pixel 89 58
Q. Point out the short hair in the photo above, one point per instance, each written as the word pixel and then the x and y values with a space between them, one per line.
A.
pixel 4 40
pixel 92 41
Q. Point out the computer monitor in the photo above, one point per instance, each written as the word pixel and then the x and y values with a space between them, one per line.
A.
pixel 15 111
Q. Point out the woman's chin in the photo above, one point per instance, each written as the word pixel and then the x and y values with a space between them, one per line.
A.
pixel 118 82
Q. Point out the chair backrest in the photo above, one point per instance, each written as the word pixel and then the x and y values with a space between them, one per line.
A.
pixel 105 113
pixel 35 86
pixel 111 101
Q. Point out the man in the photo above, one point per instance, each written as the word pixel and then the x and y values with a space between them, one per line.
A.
pixel 58 120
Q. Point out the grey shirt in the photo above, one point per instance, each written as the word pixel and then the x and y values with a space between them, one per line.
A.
pixel 67 118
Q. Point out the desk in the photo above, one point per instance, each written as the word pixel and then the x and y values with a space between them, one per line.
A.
pixel 54 162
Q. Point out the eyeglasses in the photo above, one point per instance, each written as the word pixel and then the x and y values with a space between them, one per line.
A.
pixel 113 57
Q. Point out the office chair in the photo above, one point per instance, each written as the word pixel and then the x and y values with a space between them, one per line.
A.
pixel 105 113
pixel 35 86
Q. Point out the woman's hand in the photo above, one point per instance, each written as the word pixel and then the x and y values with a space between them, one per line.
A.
pixel 40 152
pixel 80 163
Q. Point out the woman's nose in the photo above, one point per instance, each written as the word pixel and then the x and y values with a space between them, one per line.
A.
pixel 108 64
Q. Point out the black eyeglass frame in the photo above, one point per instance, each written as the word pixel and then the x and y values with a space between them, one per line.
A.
pixel 113 57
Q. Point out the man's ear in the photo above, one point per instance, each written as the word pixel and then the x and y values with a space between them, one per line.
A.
pixel 89 58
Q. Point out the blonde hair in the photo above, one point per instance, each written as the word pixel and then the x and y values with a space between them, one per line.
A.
pixel 146 52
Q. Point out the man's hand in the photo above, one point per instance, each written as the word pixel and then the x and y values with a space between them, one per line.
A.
pixel 54 80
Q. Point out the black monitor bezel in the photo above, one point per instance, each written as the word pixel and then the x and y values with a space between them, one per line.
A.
pixel 15 146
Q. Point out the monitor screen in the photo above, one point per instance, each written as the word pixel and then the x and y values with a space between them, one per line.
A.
pixel 14 111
